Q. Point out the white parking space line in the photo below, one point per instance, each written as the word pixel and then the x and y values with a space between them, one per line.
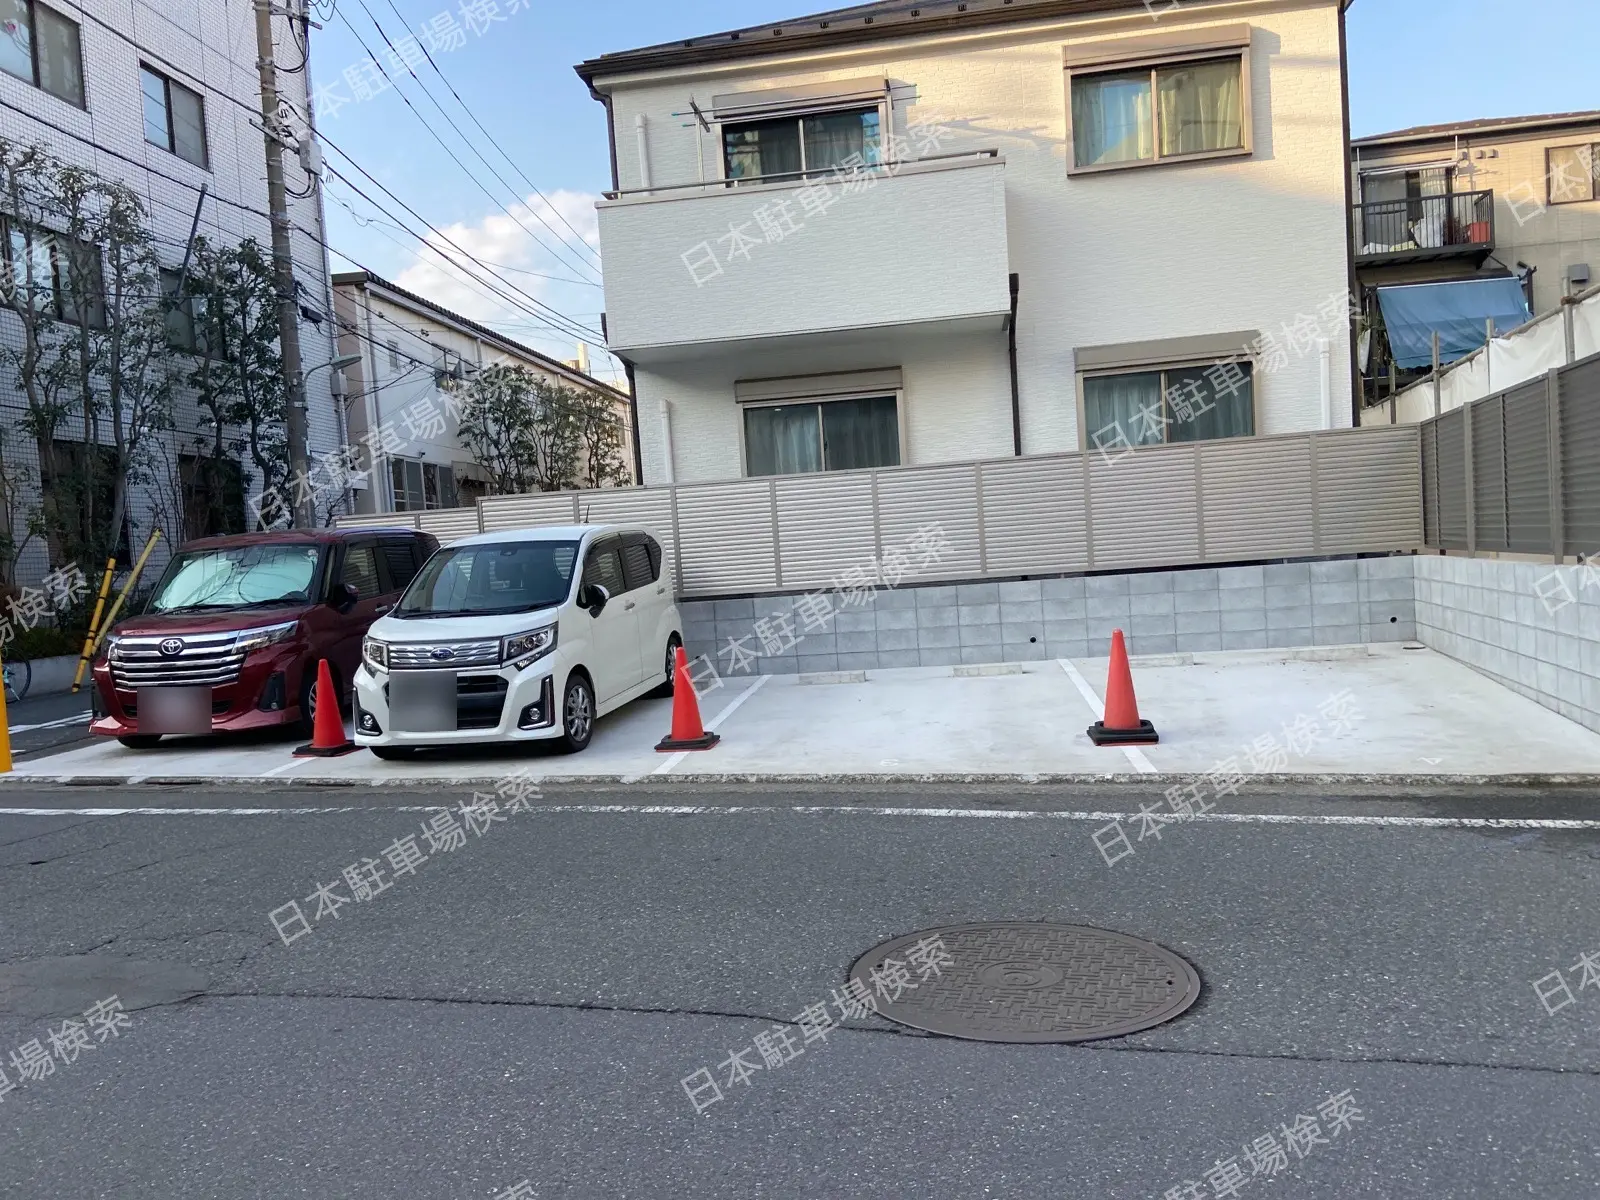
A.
pixel 1097 706
pixel 738 810
pixel 282 767
pixel 59 723
pixel 714 724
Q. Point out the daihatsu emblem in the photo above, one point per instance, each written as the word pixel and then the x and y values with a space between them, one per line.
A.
pixel 441 653
pixel 172 647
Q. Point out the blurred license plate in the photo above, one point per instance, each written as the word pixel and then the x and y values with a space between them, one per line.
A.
pixel 422 701
pixel 174 709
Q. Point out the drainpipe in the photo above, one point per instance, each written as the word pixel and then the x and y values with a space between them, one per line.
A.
pixel 1011 351
pixel 1325 355
pixel 644 151
pixel 633 421
pixel 666 441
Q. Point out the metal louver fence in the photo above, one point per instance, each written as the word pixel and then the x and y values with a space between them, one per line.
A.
pixel 1518 471
pixel 1293 495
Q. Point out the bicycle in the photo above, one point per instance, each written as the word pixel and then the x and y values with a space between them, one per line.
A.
pixel 17 677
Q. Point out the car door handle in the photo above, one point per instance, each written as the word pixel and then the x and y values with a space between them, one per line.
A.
pixel 661 591
pixel 382 608
pixel 629 605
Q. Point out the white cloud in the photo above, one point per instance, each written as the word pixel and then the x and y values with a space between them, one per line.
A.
pixel 520 264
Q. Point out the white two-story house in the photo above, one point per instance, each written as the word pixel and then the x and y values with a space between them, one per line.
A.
pixel 914 233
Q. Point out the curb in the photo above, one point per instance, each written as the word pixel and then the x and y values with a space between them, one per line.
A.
pixel 1125 779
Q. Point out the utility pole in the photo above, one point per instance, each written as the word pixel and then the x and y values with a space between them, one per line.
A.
pixel 283 264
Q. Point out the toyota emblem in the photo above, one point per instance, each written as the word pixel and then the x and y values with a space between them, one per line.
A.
pixel 171 647
pixel 441 653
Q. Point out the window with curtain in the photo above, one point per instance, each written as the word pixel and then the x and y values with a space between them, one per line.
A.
pixel 43 47
pixel 800 146
pixel 1164 112
pixel 828 435
pixel 1574 173
pixel 1175 404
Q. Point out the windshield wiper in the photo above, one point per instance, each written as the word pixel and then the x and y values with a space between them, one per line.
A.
pixel 189 608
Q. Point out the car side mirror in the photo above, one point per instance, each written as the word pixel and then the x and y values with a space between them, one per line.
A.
pixel 345 597
pixel 594 597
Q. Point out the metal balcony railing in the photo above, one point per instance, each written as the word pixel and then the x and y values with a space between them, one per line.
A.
pixel 1423 227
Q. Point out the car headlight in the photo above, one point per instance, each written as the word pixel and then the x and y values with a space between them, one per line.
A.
pixel 375 653
pixel 524 649
pixel 268 635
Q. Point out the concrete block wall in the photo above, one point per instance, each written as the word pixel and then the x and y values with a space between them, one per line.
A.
pixel 1276 605
pixel 1533 627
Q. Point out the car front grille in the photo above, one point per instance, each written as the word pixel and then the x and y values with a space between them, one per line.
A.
pixel 416 656
pixel 204 660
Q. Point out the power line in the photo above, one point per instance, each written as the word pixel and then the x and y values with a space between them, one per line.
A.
pixel 562 323
pixel 464 108
pixel 465 170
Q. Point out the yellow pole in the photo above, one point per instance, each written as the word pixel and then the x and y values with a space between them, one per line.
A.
pixel 94 622
pixel 133 578
pixel 5 735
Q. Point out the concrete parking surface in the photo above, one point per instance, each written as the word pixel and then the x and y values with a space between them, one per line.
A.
pixel 1378 710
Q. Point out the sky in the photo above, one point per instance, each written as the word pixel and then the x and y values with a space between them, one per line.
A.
pixel 543 137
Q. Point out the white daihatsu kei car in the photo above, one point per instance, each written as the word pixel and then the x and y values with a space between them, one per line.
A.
pixel 519 636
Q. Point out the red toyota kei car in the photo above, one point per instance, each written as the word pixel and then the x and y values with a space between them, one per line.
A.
pixel 231 636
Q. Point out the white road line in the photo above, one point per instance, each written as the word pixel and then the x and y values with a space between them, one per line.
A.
pixel 1135 755
pixel 282 767
pixel 58 723
pixel 965 814
pixel 714 724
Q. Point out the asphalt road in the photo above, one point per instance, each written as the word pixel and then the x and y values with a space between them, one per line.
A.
pixel 47 724
pixel 526 1006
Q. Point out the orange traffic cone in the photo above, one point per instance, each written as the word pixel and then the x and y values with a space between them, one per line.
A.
pixel 327 726
pixel 687 732
pixel 1122 725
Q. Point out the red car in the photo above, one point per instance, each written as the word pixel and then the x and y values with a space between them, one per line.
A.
pixel 231 636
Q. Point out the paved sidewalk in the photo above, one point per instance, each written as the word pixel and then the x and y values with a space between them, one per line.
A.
pixel 1347 711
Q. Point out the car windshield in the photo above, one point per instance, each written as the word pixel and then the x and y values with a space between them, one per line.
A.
pixel 238 577
pixel 507 577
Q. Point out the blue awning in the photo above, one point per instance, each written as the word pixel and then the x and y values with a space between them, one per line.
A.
pixel 1457 310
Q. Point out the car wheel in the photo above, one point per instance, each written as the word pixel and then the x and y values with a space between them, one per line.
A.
pixel 665 689
pixel 577 714
pixel 308 697
pixel 140 741
pixel 393 752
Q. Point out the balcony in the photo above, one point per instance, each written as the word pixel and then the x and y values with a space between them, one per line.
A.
pixel 1425 229
pixel 898 244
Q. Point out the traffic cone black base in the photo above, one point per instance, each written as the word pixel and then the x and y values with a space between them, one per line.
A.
pixel 704 742
pixel 310 751
pixel 1144 735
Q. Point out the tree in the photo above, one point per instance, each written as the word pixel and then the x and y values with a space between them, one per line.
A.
pixel 237 376
pixel 530 433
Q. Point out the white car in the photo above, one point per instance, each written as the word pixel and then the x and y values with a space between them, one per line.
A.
pixel 502 637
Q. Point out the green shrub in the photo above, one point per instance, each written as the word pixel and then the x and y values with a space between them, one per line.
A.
pixel 42 642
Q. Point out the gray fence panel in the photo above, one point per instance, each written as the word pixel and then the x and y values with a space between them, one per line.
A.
pixel 824 527
pixel 1033 516
pixel 1452 481
pixel 650 507
pixel 1527 471
pixel 1369 491
pixel 1243 519
pixel 728 542
pixel 1144 508
pixel 523 512
pixel 1580 456
pixel 913 497
pixel 1430 483
pixel 1489 472
pixel 449 524
pixel 392 520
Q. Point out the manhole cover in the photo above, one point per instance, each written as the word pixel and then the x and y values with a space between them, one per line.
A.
pixel 1031 981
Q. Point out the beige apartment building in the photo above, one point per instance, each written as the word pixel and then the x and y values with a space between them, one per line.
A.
pixel 1499 218
pixel 411 351
pixel 894 235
